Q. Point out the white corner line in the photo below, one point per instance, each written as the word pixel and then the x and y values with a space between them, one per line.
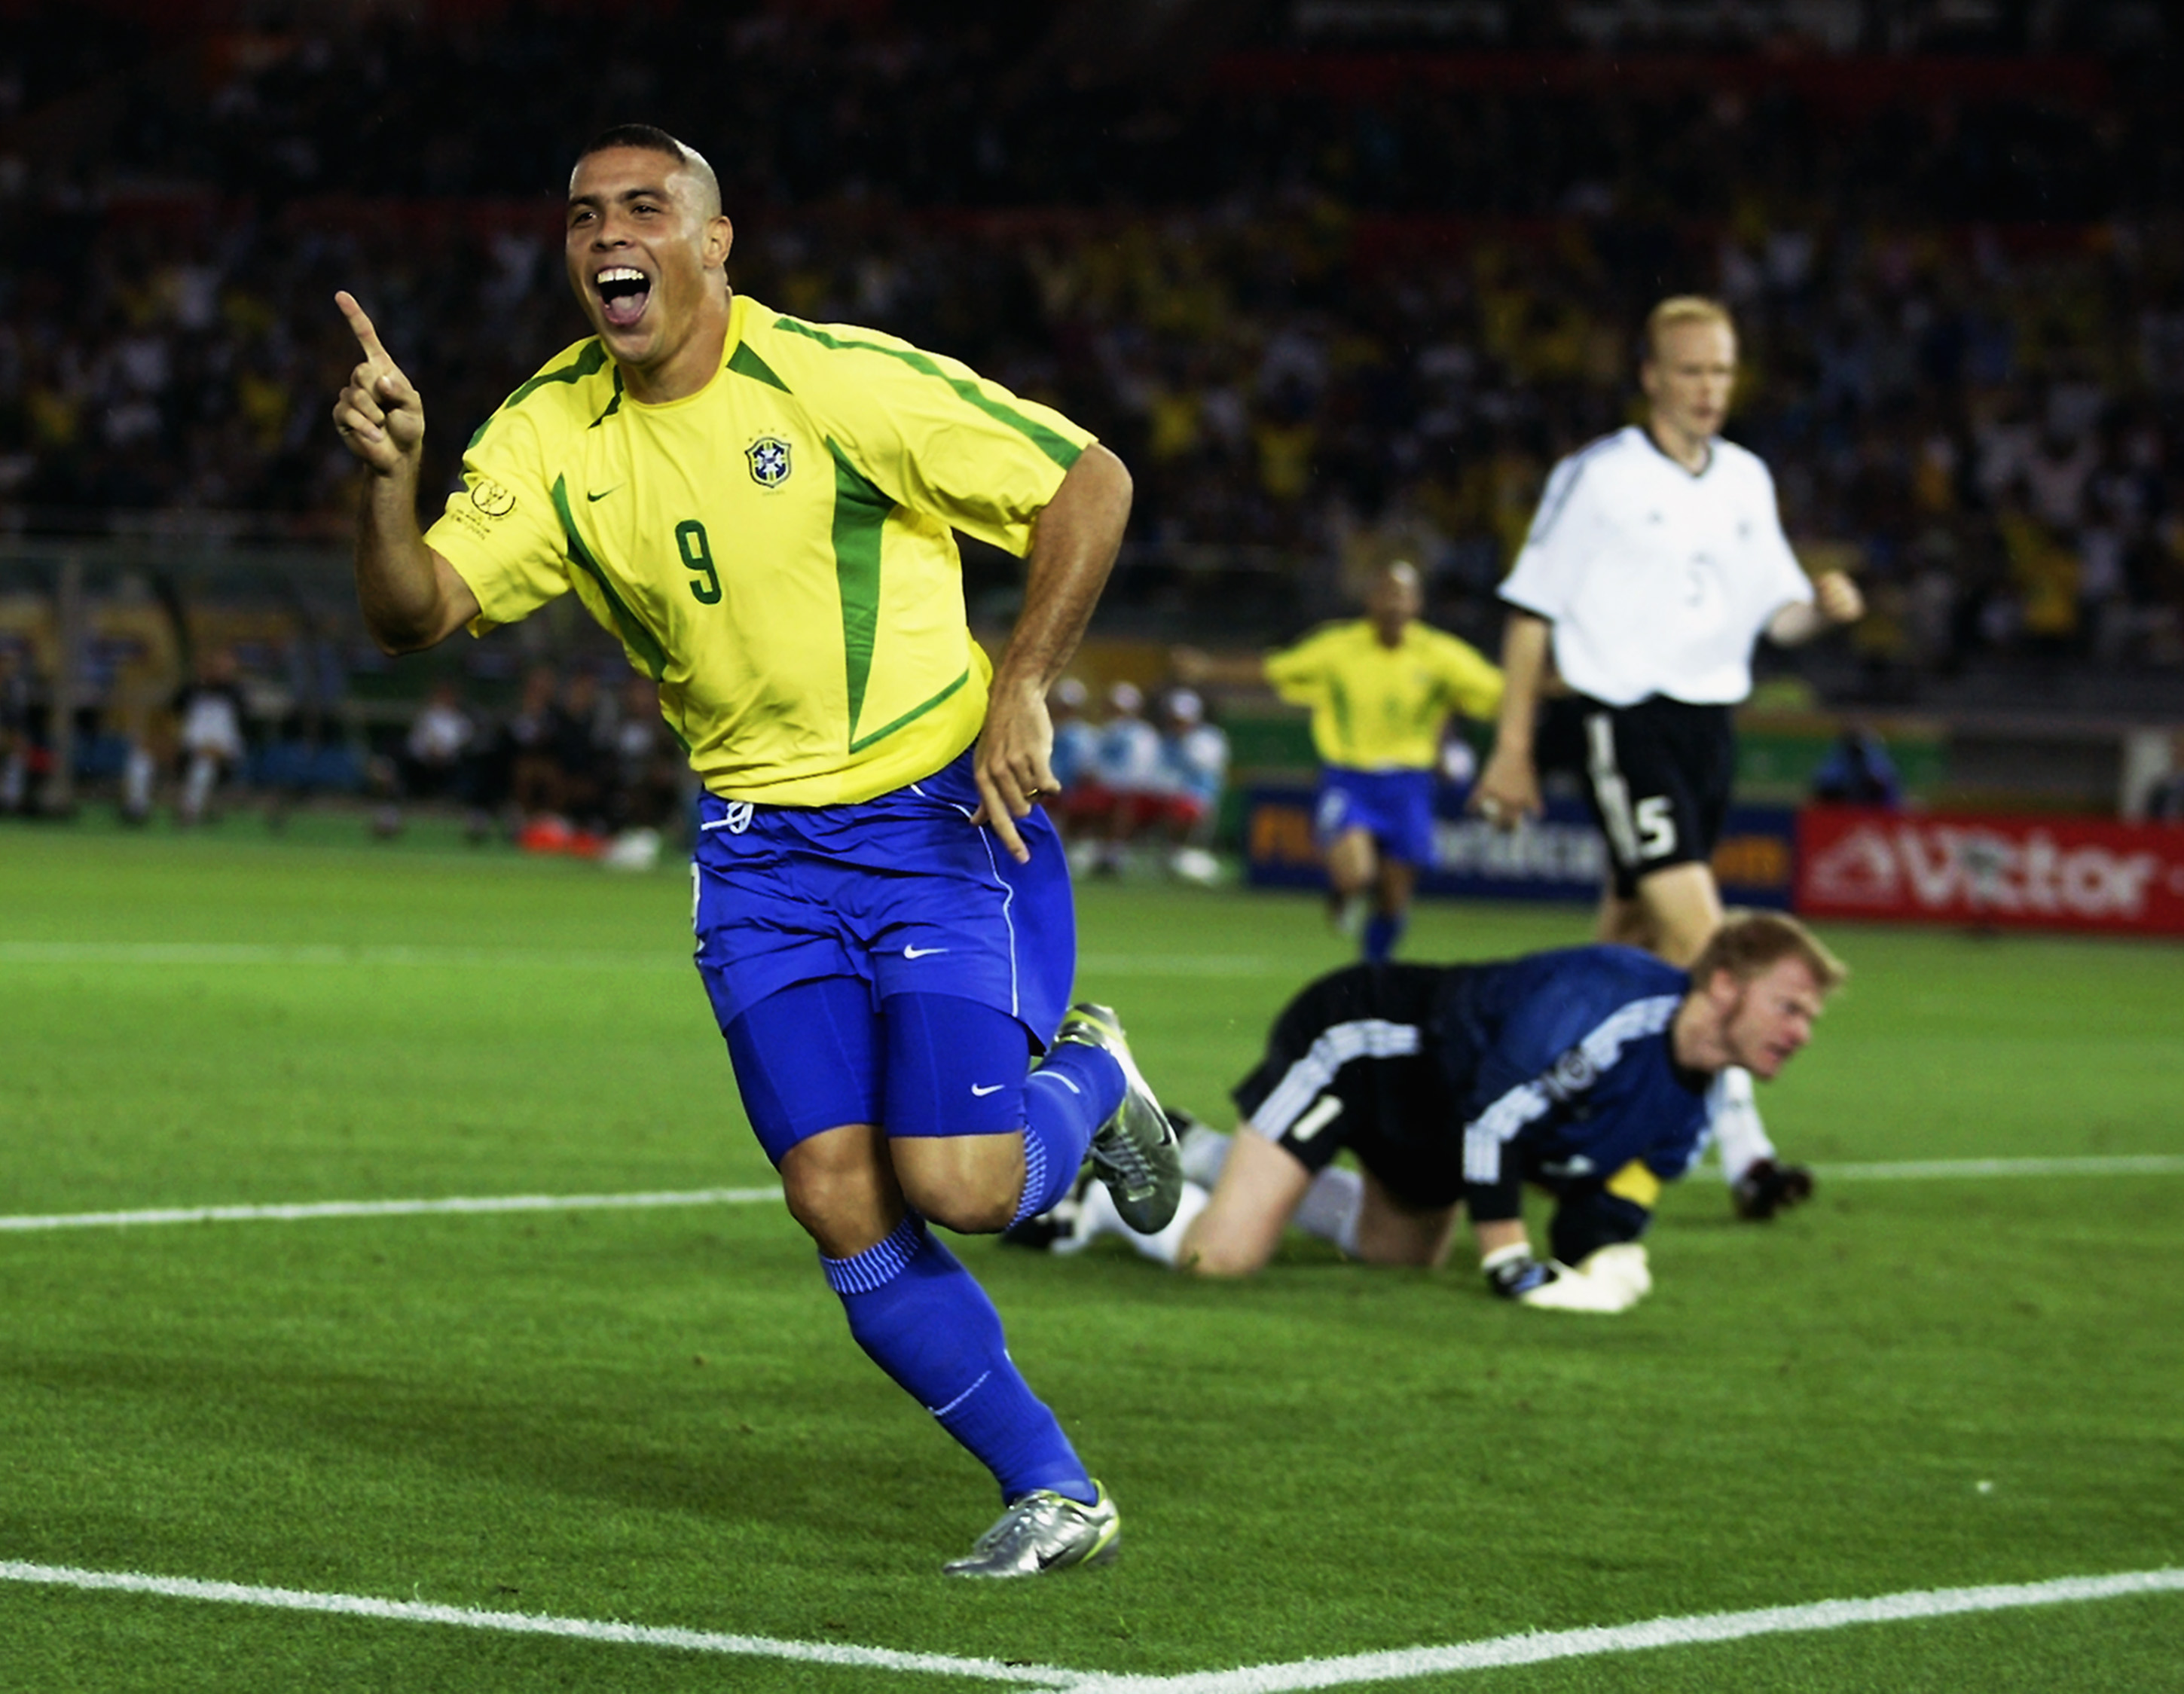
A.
pixel 1660 1632
pixel 531 1624
pixel 388 1208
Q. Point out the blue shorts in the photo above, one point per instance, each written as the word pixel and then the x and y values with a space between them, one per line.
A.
pixel 894 896
pixel 1396 805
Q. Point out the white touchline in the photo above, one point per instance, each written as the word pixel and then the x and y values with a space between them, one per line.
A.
pixel 1659 1632
pixel 2147 1164
pixel 389 1208
pixel 307 953
pixel 1403 1665
pixel 529 1624
pixel 1919 1170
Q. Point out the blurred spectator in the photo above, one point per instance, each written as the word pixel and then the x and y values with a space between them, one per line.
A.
pixel 436 752
pixel 1075 742
pixel 437 762
pixel 1195 754
pixel 526 750
pixel 210 713
pixel 1129 779
pixel 1857 772
pixel 647 770
pixel 23 755
pixel 2165 800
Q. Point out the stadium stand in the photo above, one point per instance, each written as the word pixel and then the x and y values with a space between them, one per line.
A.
pixel 1337 281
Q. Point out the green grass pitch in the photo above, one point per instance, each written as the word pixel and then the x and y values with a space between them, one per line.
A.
pixel 657 1416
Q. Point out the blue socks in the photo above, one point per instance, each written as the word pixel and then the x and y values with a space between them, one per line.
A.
pixel 1382 931
pixel 1075 1090
pixel 923 1320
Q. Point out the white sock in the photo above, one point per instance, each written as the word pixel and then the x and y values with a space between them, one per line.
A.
pixel 1734 1117
pixel 197 788
pixel 1330 1207
pixel 1097 1216
pixel 1205 1151
pixel 136 781
pixel 1167 1245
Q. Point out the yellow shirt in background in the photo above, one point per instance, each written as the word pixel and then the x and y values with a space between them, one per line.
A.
pixel 777 550
pixel 1376 708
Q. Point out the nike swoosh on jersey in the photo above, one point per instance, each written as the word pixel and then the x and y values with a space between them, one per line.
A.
pixel 920 952
pixel 990 1088
pixel 603 493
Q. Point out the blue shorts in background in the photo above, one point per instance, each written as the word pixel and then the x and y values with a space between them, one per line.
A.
pixel 1396 805
pixel 899 891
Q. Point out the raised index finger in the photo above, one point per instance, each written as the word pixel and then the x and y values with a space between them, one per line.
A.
pixel 360 326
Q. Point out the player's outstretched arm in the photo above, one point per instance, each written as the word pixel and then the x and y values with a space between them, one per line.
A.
pixel 1508 790
pixel 1835 600
pixel 411 597
pixel 1073 548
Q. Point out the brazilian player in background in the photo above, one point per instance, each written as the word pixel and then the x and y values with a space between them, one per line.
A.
pixel 1382 690
pixel 762 511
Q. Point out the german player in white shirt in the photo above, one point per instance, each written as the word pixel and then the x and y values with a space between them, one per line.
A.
pixel 1656 561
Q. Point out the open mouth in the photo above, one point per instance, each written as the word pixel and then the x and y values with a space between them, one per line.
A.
pixel 623 291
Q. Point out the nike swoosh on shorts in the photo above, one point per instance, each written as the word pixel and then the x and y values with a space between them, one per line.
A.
pixel 920 952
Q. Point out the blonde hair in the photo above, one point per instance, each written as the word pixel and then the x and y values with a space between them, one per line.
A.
pixel 1750 944
pixel 1682 309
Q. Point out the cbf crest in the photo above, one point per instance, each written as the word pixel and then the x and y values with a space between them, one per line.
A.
pixel 769 461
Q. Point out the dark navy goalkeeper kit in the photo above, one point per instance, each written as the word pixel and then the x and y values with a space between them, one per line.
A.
pixel 1462 1082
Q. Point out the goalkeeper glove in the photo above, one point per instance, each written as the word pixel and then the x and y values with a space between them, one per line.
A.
pixel 1514 1274
pixel 1766 1188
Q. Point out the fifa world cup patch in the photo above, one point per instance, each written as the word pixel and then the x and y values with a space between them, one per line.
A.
pixel 769 461
pixel 491 499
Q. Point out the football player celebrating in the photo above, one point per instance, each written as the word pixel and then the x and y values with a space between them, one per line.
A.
pixel 1586 1070
pixel 1654 563
pixel 762 509
pixel 1382 690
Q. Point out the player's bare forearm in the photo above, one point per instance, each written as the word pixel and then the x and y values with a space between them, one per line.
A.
pixel 410 596
pixel 1073 546
pixel 1508 788
pixel 1835 600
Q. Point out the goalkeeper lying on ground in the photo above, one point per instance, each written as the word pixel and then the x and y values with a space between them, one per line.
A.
pixel 1586 1070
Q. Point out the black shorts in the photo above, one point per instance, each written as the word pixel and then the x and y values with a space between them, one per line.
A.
pixel 1658 775
pixel 1354 1061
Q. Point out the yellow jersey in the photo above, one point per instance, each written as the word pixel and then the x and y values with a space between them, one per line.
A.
pixel 777 550
pixel 1376 708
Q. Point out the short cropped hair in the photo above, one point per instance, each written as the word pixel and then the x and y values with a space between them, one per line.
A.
pixel 651 139
pixel 1750 944
pixel 1682 309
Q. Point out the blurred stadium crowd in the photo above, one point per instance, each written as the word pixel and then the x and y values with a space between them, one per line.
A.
pixel 1333 297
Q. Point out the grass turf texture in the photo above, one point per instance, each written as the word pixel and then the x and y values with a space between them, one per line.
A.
pixel 658 1417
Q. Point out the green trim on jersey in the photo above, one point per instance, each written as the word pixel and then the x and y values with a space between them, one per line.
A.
pixel 585 363
pixel 613 405
pixel 861 512
pixel 1062 452
pixel 1338 702
pixel 745 362
pixel 910 716
pixel 641 642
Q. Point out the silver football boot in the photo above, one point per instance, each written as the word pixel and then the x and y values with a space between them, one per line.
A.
pixel 1044 1532
pixel 1134 1151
